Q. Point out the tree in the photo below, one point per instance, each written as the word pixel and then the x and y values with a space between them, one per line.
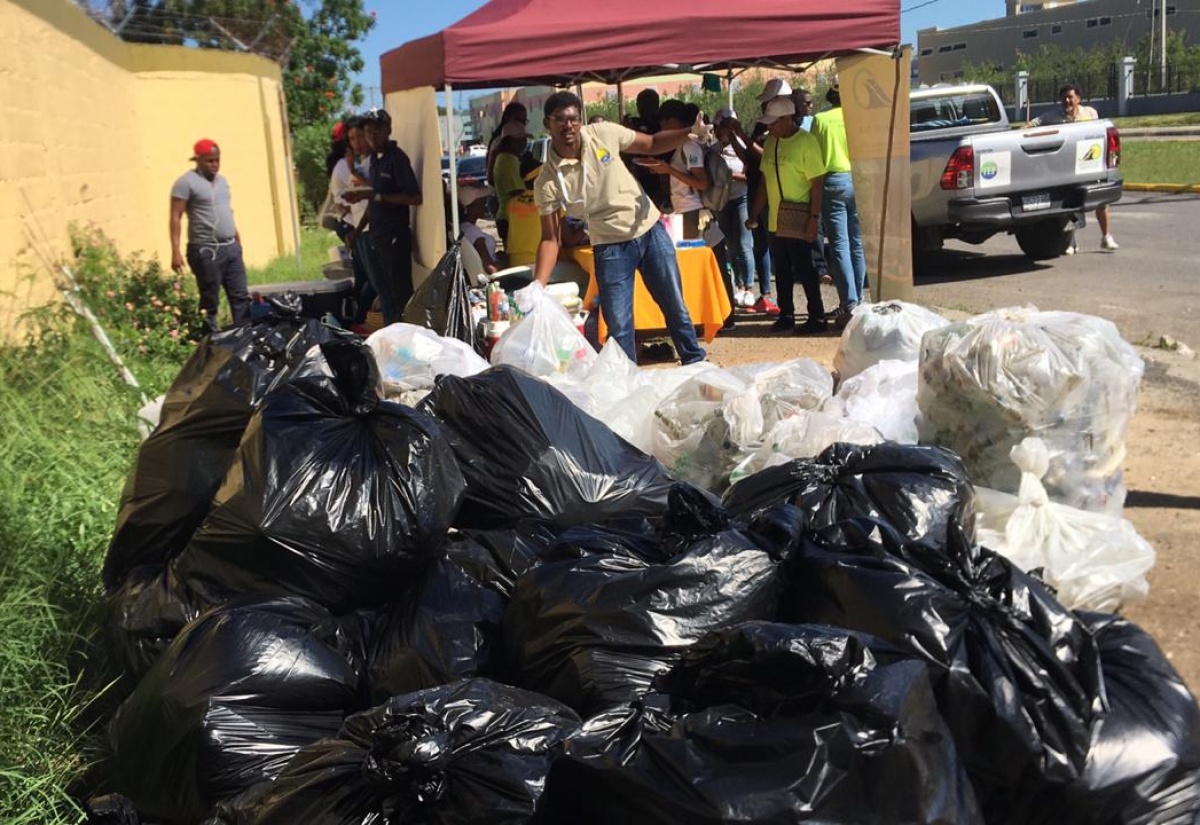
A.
pixel 312 40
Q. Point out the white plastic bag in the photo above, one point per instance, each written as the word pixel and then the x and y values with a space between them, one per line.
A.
pixel 703 426
pixel 804 435
pixel 883 395
pixel 787 387
pixel 989 382
pixel 149 415
pixel 1095 561
pixel 890 330
pixel 410 358
pixel 545 341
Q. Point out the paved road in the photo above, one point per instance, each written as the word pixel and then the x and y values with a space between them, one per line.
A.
pixel 1149 288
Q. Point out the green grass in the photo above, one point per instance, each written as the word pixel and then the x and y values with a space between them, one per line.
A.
pixel 69 441
pixel 314 251
pixel 1177 119
pixel 1161 161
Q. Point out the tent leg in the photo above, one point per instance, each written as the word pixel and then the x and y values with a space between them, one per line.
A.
pixel 582 104
pixel 620 103
pixel 451 150
pixel 729 79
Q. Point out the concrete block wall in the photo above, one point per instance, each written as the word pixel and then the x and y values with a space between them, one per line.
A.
pixel 94 130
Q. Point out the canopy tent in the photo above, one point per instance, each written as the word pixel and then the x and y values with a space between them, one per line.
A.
pixel 549 42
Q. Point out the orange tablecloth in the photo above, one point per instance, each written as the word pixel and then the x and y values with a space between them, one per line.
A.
pixel 703 291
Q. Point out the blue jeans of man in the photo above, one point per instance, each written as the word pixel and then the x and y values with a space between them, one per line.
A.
pixel 654 254
pixel 840 214
pixel 216 266
pixel 393 271
pixel 739 243
pixel 793 261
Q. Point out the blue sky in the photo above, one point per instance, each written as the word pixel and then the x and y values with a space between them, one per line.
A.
pixel 399 21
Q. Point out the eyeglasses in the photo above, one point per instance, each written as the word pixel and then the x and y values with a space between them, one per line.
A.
pixel 566 120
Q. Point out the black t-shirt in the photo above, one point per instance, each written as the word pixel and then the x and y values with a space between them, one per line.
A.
pixel 391 174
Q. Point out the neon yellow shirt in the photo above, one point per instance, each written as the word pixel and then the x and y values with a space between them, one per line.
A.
pixel 799 163
pixel 507 175
pixel 524 230
pixel 830 128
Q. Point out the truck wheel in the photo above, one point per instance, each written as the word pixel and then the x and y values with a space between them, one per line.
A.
pixel 1045 239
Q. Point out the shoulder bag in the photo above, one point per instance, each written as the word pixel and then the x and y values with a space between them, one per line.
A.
pixel 792 219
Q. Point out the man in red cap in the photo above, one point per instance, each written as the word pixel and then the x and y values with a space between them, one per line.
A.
pixel 214 248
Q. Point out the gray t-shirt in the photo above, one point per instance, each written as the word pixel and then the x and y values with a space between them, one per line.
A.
pixel 210 216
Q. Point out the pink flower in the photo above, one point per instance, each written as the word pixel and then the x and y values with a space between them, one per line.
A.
pixel 110 294
pixel 156 302
pixel 174 333
pixel 129 306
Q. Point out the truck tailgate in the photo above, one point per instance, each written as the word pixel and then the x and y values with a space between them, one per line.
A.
pixel 1034 161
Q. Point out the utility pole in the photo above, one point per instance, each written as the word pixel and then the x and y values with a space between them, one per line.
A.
pixel 1150 53
pixel 1162 46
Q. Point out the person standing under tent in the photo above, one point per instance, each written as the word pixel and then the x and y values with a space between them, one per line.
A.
pixel 839 209
pixel 583 175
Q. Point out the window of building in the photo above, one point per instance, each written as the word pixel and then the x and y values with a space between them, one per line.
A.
pixel 1170 10
pixel 944 49
pixel 1105 21
pixel 1056 30
pixel 958 47
pixel 926 52
pixel 1093 22
pixel 1029 34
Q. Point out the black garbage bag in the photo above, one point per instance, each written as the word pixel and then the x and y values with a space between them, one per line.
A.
pixel 1143 765
pixel 473 752
pixel 528 453
pixel 497 558
pixel 334 494
pixel 594 632
pixel 206 410
pixel 1018 675
pixel 145 615
pixel 447 629
pixel 849 740
pixel 442 302
pixel 233 698
pixel 918 490
pixel 110 809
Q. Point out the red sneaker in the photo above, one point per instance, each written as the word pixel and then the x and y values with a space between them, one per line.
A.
pixel 766 305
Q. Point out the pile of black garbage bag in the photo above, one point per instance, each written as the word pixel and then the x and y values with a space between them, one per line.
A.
pixel 332 609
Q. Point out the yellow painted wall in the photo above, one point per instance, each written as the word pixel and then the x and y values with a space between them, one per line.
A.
pixel 94 130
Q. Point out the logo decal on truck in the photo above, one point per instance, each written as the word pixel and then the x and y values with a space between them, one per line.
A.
pixel 995 169
pixel 1089 156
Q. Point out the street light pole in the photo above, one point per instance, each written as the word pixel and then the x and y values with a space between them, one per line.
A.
pixel 1162 46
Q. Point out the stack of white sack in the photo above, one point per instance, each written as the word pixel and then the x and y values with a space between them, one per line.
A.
pixel 722 425
pixel 987 383
pixel 884 395
pixel 411 357
pixel 1095 561
pixel 887 331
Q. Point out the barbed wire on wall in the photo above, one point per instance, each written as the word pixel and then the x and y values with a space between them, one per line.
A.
pixel 267 36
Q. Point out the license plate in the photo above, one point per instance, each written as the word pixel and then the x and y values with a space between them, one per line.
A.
pixel 1032 203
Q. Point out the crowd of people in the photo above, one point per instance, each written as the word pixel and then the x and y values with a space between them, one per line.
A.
pixel 786 215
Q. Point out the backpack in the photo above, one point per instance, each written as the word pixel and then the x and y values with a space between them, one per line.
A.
pixel 720 179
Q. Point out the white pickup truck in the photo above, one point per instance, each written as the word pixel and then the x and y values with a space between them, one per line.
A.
pixel 974 176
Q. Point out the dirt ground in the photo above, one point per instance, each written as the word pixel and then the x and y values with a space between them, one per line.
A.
pixel 1162 470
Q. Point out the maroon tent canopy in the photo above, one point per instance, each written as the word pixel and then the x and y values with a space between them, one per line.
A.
pixel 559 42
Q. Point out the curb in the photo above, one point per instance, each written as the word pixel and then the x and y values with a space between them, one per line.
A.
pixel 1172 188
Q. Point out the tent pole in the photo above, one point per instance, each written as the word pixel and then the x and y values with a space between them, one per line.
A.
pixel 450 150
pixel 582 104
pixel 620 103
pixel 729 78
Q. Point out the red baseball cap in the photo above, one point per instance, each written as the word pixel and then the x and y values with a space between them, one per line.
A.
pixel 204 147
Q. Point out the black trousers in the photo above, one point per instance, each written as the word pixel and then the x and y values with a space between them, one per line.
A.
pixel 393 260
pixel 792 260
pixel 215 267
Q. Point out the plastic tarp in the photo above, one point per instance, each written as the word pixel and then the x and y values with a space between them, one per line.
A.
pixel 237 694
pixel 528 453
pixel 180 466
pixel 333 494
pixel 989 382
pixel 471 752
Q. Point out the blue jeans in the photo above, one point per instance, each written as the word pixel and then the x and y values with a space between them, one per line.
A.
pixel 654 254
pixel 840 214
pixel 762 257
pixel 739 243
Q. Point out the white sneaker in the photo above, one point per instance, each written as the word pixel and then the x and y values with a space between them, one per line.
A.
pixel 1107 243
pixel 1070 250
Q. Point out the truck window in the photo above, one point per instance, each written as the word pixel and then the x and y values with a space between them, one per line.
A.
pixel 951 110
